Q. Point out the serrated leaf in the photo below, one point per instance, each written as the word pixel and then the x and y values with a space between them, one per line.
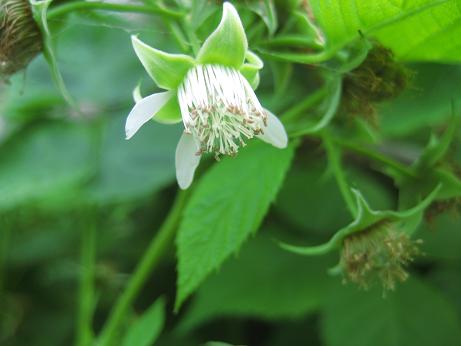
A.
pixel 414 30
pixel 227 206
pixel 145 330
pixel 415 314
pixel 167 70
pixel 227 45
pixel 262 282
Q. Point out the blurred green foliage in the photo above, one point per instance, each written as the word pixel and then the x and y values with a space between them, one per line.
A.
pixel 64 171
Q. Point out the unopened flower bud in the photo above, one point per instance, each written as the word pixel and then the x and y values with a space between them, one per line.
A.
pixel 377 79
pixel 20 37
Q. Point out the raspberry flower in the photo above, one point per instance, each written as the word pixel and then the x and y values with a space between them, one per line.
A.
pixel 212 94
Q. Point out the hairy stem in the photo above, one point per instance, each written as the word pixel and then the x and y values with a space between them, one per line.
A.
pixel 66 8
pixel 334 160
pixel 159 244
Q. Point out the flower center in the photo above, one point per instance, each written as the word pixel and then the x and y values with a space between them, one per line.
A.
pixel 220 109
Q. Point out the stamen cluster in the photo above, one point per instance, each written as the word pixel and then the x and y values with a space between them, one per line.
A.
pixel 220 109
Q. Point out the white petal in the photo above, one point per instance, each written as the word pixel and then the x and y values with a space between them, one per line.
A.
pixel 274 132
pixel 187 160
pixel 144 110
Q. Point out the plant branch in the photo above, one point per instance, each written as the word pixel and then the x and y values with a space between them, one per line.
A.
pixel 334 161
pixel 159 244
pixel 66 8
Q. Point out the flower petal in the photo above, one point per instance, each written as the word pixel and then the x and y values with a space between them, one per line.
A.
pixel 187 160
pixel 274 132
pixel 228 44
pixel 144 110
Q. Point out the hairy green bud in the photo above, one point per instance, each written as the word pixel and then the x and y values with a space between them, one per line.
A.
pixel 378 78
pixel 20 37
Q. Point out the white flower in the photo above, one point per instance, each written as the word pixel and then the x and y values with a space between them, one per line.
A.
pixel 220 111
pixel 215 100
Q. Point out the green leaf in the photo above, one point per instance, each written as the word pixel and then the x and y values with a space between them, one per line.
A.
pixel 44 160
pixel 145 330
pixel 227 45
pixel 227 206
pixel 167 70
pixel 261 282
pixel 415 30
pixel 414 315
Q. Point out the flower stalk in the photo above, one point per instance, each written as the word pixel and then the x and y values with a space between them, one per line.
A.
pixel 151 258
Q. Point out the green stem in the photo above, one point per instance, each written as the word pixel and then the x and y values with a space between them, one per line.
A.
pixel 334 160
pixel 311 100
pixel 193 39
pixel 150 260
pixel 87 274
pixel 372 154
pixel 175 29
pixel 85 5
pixel 290 40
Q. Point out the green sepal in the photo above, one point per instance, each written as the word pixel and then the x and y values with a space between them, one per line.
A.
pixel 451 184
pixel 365 219
pixel 228 44
pixel 250 69
pixel 167 70
pixel 170 113
pixel 437 147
